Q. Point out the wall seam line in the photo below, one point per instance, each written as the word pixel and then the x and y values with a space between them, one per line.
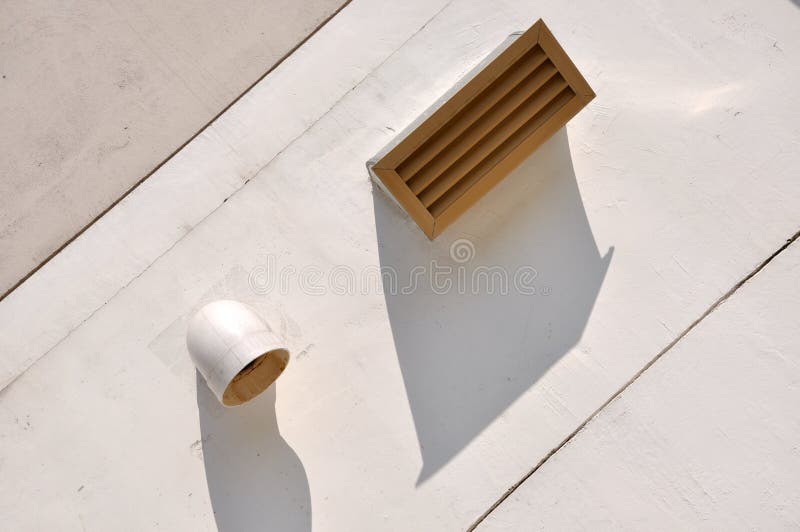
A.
pixel 714 306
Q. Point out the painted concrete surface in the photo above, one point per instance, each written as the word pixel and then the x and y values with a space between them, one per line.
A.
pixel 706 439
pixel 94 95
pixel 399 410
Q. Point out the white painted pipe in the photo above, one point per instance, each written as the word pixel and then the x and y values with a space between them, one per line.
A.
pixel 235 351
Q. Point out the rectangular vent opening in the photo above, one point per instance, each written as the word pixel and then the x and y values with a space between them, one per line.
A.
pixel 483 130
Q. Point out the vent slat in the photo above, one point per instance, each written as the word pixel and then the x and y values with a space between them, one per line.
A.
pixel 473 111
pixel 472 135
pixel 446 199
pixel 535 103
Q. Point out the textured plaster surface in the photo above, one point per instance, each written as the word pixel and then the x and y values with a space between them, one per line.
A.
pixel 94 95
pixel 399 411
pixel 705 439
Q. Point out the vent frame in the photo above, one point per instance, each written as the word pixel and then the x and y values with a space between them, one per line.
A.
pixel 450 110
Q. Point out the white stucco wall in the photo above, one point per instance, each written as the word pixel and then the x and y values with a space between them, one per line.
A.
pixel 412 411
pixel 706 439
pixel 95 95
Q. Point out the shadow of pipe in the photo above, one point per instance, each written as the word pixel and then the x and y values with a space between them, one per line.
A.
pixel 465 357
pixel 255 480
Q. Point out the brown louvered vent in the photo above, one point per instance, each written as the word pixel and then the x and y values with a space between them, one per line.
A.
pixel 483 130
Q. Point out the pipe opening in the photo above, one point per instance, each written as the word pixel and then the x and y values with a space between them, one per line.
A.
pixel 255 377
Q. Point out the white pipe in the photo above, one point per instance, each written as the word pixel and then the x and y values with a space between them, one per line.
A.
pixel 235 351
